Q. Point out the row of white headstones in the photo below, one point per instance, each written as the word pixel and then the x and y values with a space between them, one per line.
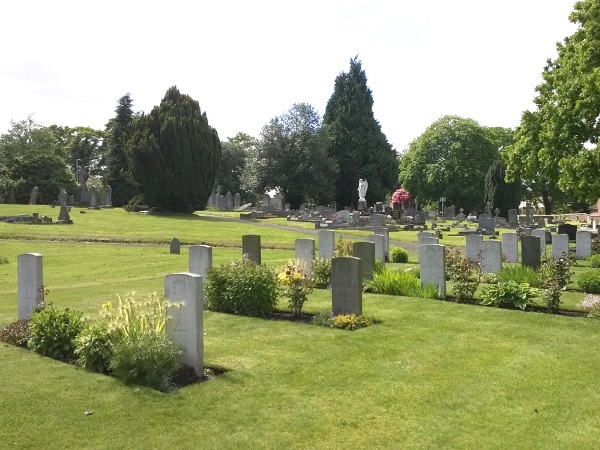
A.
pixel 186 326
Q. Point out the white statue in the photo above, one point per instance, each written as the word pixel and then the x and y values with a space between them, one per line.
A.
pixel 363 185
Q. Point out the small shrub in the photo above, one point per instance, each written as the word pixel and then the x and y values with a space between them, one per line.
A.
pixel 296 284
pixel 3 260
pixel 591 303
pixel 595 261
pixel 590 282
pixel 322 272
pixel 241 287
pixel 488 278
pixel 557 269
pixel 519 274
pixel 53 332
pixel 343 321
pixel 509 293
pixel 148 358
pixel 93 347
pixel 399 283
pixel 16 333
pixel 342 248
pixel 399 255
pixel 464 274
pixel 596 246
pixel 551 295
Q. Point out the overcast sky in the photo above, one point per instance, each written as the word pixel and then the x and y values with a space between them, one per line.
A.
pixel 68 62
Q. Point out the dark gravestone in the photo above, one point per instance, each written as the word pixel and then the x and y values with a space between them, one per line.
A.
pixel 569 229
pixel 175 246
pixel 251 247
pixel 346 285
pixel 530 251
pixel 366 252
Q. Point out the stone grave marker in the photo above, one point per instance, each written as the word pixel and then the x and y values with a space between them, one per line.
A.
pixel 560 245
pixel 343 216
pixel 432 264
pixel 251 247
pixel 542 235
pixel 326 243
pixel 473 247
pixel 175 246
pixel 186 328
pixel 487 223
pixel 222 201
pixel 530 251
pixel 346 285
pixel 583 244
pixel 200 260
pixel 266 200
pixel 228 201
pixel 108 197
pixel 305 252
pixel 237 200
pixel 491 261
pixel 568 229
pixel 422 235
pixel 366 252
pixel 385 232
pixel 376 220
pixel 30 283
pixel 93 198
pixel 379 241
pixel 429 240
pixel 33 195
pixel 510 247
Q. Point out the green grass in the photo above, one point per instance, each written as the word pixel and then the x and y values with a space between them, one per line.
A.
pixel 432 374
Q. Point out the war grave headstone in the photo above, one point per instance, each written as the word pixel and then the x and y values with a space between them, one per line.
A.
pixel 186 326
pixel 491 259
pixel 30 283
pixel 583 246
pixel 200 260
pixel 530 251
pixel 251 247
pixel 473 247
pixel 560 245
pixel 346 285
pixel 305 253
pixel 175 246
pixel 422 235
pixel 510 247
pixel 542 235
pixel 385 232
pixel 366 252
pixel 326 243
pixel 428 240
pixel 379 241
pixel 432 265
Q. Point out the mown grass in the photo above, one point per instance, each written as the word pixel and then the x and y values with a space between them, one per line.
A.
pixel 431 374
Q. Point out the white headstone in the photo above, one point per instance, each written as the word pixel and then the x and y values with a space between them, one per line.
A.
pixel 423 234
pixel 30 275
pixel 560 245
pixel 542 235
pixel 379 241
pixel 326 244
pixel 305 252
pixel 432 264
pixel 200 260
pixel 185 327
pixel 583 244
pixel 491 261
pixel 474 247
pixel 385 231
pixel 510 247
pixel 429 240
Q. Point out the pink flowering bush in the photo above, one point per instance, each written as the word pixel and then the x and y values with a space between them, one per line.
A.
pixel 400 196
pixel 591 303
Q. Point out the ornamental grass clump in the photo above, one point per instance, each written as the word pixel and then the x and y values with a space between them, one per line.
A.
pixel 296 284
pixel 519 274
pixel 405 283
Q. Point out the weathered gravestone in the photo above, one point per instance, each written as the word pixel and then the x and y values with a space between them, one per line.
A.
pixel 432 265
pixel 266 200
pixel 376 220
pixel 346 285
pixel 211 200
pixel 30 283
pixel 487 223
pixel 185 328
pixel 305 253
pixel 237 200
pixel 491 259
pixel 510 247
pixel 530 251
pixel 560 245
pixel 93 198
pixel 366 252
pixel 175 246
pixel 221 202
pixel 513 218
pixel 108 197
pixel 583 246
pixel 449 212
pixel 542 235
pixel 473 248
pixel 200 260
pixel 379 241
pixel 33 196
pixel 326 244
pixel 228 201
pixel 569 229
pixel 343 216
pixel 63 216
pixel 251 247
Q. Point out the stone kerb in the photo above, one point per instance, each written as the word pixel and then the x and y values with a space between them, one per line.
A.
pixel 185 327
pixel 326 244
pixel 379 241
pixel 200 260
pixel 473 247
pixel 251 247
pixel 583 246
pixel 491 260
pixel 346 285
pixel 560 245
pixel 530 251
pixel 366 252
pixel 510 247
pixel 30 283
pixel 432 264
pixel 305 252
